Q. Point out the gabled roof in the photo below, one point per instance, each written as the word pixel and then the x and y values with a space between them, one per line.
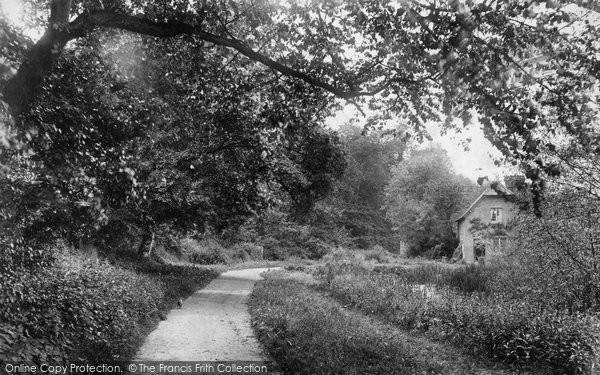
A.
pixel 494 189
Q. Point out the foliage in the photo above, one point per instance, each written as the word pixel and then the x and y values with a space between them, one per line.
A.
pixel 209 250
pixel 378 254
pixel 371 155
pixel 292 240
pixel 205 251
pixel 108 152
pixel 308 334
pixel 467 280
pixel 540 67
pixel 356 202
pixel 281 237
pixel 559 250
pixel 422 198
pixel 509 330
pixel 81 310
pixel 248 251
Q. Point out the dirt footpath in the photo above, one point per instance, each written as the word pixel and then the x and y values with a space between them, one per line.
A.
pixel 213 324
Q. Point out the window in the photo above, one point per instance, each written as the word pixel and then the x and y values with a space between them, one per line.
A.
pixel 498 243
pixel 496 215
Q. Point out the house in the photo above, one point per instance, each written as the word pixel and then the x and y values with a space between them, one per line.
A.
pixel 484 228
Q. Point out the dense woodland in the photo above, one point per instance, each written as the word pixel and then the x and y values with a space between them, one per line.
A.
pixel 138 134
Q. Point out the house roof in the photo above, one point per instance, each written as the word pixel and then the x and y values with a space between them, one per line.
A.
pixel 494 189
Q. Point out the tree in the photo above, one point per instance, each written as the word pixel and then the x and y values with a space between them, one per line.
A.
pixel 560 249
pixel 370 155
pixel 558 252
pixel 522 66
pixel 356 204
pixel 422 198
pixel 116 153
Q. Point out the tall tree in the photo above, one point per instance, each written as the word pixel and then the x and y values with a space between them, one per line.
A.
pixel 118 145
pixel 359 195
pixel 422 198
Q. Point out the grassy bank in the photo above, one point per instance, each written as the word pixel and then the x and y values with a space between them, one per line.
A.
pixel 461 306
pixel 87 310
pixel 308 332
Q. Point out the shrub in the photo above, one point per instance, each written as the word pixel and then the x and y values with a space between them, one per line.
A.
pixel 282 238
pixel 293 241
pixel 378 254
pixel 246 250
pixel 559 249
pixel 468 279
pixel 82 310
pixel 205 251
pixel 75 302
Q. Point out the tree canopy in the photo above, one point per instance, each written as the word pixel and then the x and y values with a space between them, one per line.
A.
pixel 423 197
pixel 131 135
pixel 521 67
pixel 356 202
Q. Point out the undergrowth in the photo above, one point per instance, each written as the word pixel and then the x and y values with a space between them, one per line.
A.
pixel 78 309
pixel 309 334
pixel 468 279
pixel 461 309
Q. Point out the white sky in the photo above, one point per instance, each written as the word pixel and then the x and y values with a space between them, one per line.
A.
pixel 477 162
pixel 11 9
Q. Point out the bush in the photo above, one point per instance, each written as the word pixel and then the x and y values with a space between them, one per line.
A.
pixel 77 309
pixel 282 238
pixel 246 251
pixel 205 251
pixel 293 241
pixel 559 249
pixel 468 279
pixel 211 251
pixel 82 310
pixel 378 254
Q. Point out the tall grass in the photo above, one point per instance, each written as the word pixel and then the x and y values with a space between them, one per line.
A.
pixel 309 334
pixel 468 279
pixel 510 330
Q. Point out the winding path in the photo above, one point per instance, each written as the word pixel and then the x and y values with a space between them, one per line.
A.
pixel 212 325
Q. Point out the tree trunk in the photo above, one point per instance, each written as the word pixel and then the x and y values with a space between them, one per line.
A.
pixel 145 238
pixel 20 90
pixel 152 245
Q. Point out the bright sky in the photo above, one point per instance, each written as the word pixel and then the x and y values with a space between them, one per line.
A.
pixel 477 162
pixel 13 11
pixel 11 8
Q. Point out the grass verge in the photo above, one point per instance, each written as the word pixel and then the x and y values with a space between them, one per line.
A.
pixel 307 332
pixel 90 311
pixel 512 331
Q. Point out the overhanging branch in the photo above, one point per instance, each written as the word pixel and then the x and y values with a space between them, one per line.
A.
pixel 107 19
pixel 22 88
